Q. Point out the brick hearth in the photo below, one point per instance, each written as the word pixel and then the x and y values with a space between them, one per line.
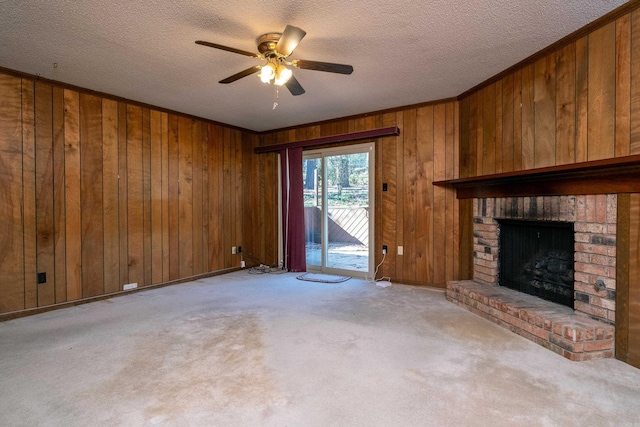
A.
pixel 555 327
pixel 580 334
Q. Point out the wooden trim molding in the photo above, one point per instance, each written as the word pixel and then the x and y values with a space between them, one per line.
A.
pixel 364 115
pixel 39 310
pixel 622 277
pixel 617 175
pixel 345 137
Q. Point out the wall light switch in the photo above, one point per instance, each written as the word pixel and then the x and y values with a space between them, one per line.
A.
pixel 400 250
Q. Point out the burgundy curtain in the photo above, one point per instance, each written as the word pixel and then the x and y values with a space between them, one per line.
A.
pixel 293 210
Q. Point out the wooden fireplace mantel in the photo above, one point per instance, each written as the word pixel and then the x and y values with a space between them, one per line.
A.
pixel 618 175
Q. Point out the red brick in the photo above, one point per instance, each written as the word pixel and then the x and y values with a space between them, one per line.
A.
pixel 483 308
pixel 581 212
pixel 489 271
pixel 611 251
pixel 539 321
pixel 601 208
pixel 602 302
pixel 575 347
pixel 571 356
pixel 612 229
pixel 494 313
pixel 609 332
pixel 602 260
pixel 513 311
pixel 529 314
pixel 597 270
pixel 492 228
pixel 612 208
pixel 484 237
pixel 484 278
pixel 582 257
pixel 591 249
pixel 581 277
pixel 538 332
pixel 582 237
pixel 587 227
pixel 589 334
pixel 486 260
pixel 589 288
pixel 523 314
pixel 513 321
pixel 598 345
pixel 558 327
pixel 590 208
pixel 590 309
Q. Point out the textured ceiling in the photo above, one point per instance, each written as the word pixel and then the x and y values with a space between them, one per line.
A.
pixel 403 52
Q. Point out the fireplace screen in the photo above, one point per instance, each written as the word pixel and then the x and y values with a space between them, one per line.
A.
pixel 536 257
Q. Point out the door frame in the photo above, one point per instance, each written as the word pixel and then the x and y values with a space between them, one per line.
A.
pixel 322 153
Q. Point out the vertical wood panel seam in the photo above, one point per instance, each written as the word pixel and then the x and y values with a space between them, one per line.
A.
pixel 24 253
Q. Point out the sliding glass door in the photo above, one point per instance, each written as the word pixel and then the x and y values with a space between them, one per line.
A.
pixel 338 204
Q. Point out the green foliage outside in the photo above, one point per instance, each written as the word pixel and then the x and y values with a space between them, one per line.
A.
pixel 347 176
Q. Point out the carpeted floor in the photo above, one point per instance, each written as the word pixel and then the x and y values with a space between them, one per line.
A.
pixel 271 350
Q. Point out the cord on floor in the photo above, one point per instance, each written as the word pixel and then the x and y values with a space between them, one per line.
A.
pixel 264 269
pixel 384 281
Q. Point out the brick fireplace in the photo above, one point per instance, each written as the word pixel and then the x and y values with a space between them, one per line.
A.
pixel 584 332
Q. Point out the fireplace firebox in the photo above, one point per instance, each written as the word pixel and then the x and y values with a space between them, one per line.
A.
pixel 537 258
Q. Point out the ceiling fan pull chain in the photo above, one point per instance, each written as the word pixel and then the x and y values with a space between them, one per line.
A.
pixel 275 103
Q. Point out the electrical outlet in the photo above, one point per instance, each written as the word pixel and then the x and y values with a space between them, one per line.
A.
pixel 239 249
pixel 42 278
pixel 130 286
pixel 384 249
pixel 233 250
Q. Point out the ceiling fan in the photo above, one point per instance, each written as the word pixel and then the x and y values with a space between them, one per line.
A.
pixel 275 48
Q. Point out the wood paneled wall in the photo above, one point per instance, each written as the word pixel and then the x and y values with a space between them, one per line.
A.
pixel 413 213
pixel 98 193
pixel 576 104
pixel 627 285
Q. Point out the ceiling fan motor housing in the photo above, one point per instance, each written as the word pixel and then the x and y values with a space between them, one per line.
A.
pixel 267 44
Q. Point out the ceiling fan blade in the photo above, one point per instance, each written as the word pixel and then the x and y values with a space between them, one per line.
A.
pixel 294 87
pixel 227 48
pixel 241 74
pixel 289 40
pixel 323 66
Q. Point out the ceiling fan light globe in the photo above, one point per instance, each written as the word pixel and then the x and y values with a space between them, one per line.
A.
pixel 283 74
pixel 267 72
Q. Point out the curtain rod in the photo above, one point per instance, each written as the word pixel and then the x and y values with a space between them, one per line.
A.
pixel 345 137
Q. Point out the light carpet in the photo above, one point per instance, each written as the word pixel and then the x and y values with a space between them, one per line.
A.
pixel 247 350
